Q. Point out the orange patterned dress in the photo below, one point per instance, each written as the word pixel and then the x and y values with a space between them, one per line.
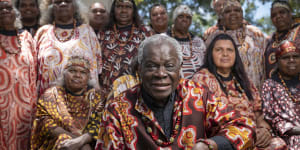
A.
pixel 18 92
pixel 75 114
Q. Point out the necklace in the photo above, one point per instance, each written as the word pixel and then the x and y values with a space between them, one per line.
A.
pixel 178 112
pixel 122 42
pixel 190 42
pixel 69 37
pixel 18 45
pixel 240 37
pixel 237 85
pixel 277 42
pixel 287 89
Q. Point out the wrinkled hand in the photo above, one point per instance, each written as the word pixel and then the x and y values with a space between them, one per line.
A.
pixel 71 144
pixel 263 137
pixel 200 146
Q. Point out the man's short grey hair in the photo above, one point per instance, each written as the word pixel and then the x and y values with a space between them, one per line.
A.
pixel 159 39
pixel 47 16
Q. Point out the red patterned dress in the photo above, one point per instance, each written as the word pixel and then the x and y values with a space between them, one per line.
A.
pixel 53 54
pixel 234 119
pixel 128 123
pixel 75 114
pixel 18 91
pixel 280 110
pixel 119 47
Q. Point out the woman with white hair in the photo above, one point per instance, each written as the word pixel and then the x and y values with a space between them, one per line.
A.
pixel 64 33
pixel 193 47
pixel 17 80
pixel 68 114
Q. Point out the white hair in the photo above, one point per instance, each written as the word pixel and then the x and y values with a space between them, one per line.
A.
pixel 47 17
pixel 18 22
pixel 159 39
pixel 181 9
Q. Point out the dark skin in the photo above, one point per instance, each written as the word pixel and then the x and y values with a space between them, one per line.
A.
pixel 76 80
pixel 124 13
pixel 232 17
pixel 289 67
pixel 281 18
pixel 182 25
pixel 159 71
pixel 98 16
pixel 63 11
pixel 7 16
pixel 159 19
pixel 29 11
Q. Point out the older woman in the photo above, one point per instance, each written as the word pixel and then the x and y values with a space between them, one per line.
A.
pixel 233 124
pixel 68 115
pixel 249 39
pixel 120 41
pixel 193 47
pixel 18 80
pixel 64 33
pixel 159 18
pixel 281 16
pixel 281 95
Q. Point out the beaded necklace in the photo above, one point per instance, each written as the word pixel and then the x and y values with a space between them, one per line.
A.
pixel 241 38
pixel 237 85
pixel 287 89
pixel 69 37
pixel 18 45
pixel 190 42
pixel 123 43
pixel 178 112
pixel 277 42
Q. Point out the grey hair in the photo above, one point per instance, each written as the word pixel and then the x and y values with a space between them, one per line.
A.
pixel 47 17
pixel 156 40
pixel 61 80
pixel 18 22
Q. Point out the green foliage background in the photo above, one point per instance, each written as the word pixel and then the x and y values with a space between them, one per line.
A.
pixel 205 17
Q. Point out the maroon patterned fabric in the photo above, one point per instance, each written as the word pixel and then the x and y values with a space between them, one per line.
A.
pixel 280 111
pixel 269 56
pixel 123 126
pixel 118 50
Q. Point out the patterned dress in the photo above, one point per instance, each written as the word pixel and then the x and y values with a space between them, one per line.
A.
pixel 54 54
pixel 18 93
pixel 75 114
pixel 279 109
pixel 234 119
pixel 118 51
pixel 128 122
pixel 272 46
pixel 251 43
pixel 192 61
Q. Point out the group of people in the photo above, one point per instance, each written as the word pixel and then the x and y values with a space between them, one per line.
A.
pixel 78 79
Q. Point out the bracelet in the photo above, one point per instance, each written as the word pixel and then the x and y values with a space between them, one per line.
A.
pixel 209 145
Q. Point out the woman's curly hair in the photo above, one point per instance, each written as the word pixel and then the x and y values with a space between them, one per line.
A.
pixel 47 16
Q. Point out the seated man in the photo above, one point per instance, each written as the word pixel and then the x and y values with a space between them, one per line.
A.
pixel 162 111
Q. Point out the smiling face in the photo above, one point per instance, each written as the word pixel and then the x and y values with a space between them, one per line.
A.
pixel 29 9
pixel 281 18
pixel 98 15
pixel 289 64
pixel 7 15
pixel 233 17
pixel 159 71
pixel 159 18
pixel 76 79
pixel 124 13
pixel 223 55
